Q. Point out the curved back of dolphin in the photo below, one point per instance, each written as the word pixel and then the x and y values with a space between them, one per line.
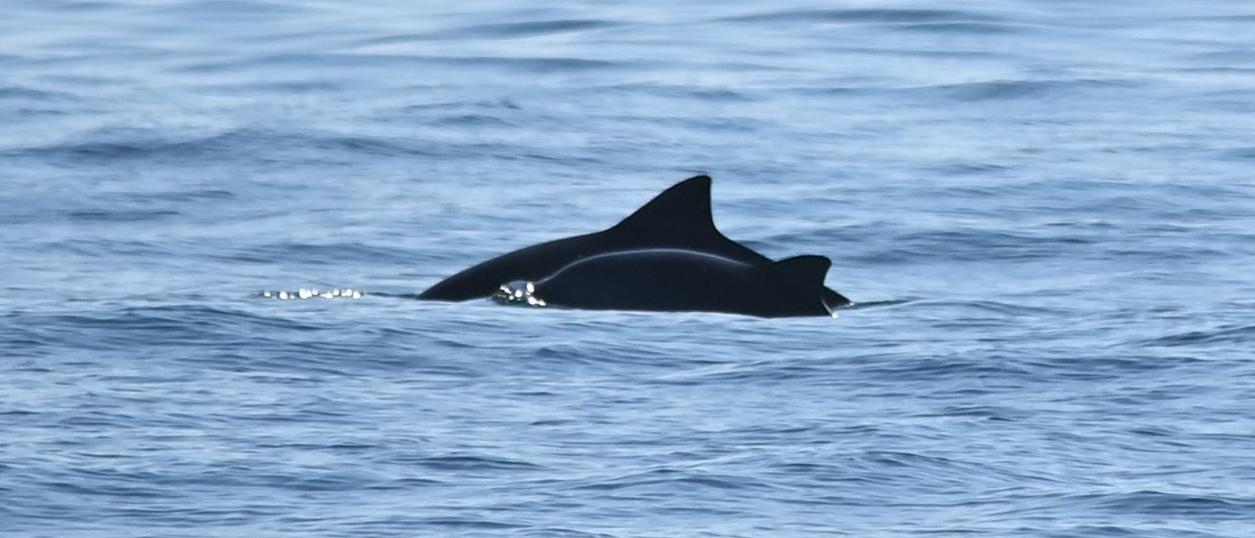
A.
pixel 678 218
pixel 684 280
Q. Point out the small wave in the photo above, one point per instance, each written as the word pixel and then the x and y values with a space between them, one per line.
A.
pixel 1007 309
pixel 560 532
pixel 231 9
pixel 533 28
pixel 969 168
pixel 459 105
pixel 130 144
pixel 474 120
pixel 974 245
pixel 206 316
pixel 860 305
pixel 33 94
pixel 83 5
pixel 285 88
pixel 881 466
pixel 177 325
pixel 964 27
pixel 498 30
pixel 330 253
pixel 1021 89
pixel 705 94
pixel 106 490
pixel 1221 335
pixel 524 29
pixel 1241 154
pixel 977 411
pixel 468 523
pixel 119 215
pixel 1089 368
pixel 1233 57
pixel 937 369
pixel 881 15
pixel 474 463
pixel 1223 18
pixel 536 64
pixel 376 62
pixel 668 478
pixel 904 20
pixel 109 248
pixel 193 195
pixel 142 145
pixel 1159 503
pixel 759 372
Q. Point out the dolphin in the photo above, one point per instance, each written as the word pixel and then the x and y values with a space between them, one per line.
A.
pixel 679 218
pixel 680 280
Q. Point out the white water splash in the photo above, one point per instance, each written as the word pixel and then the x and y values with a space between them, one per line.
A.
pixel 312 293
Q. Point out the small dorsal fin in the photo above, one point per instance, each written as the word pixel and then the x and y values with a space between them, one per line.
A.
pixel 803 271
pixel 681 210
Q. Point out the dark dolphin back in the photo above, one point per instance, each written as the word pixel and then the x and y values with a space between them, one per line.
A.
pixel 678 217
pixel 653 279
pixel 687 280
pixel 529 263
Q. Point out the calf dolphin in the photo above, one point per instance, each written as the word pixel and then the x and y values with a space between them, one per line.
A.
pixel 680 280
pixel 679 218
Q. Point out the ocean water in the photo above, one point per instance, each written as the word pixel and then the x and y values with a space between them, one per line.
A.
pixel 1046 210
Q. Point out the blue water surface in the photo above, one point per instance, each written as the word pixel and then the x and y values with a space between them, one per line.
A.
pixel 1046 207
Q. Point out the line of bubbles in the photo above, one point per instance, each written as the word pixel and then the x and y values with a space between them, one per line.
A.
pixel 312 293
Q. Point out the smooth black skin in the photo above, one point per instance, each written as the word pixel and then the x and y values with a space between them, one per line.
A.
pixel 678 218
pixel 682 280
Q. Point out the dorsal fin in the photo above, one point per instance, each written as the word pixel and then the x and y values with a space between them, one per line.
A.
pixel 681 210
pixel 803 271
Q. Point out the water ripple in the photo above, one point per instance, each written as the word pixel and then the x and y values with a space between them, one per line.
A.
pixel 901 15
pixel 1221 335
pixel 509 30
pixel 369 62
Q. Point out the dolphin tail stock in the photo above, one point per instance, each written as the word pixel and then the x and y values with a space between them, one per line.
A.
pixel 807 273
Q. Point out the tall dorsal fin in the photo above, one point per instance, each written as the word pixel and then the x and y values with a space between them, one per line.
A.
pixel 803 271
pixel 682 212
